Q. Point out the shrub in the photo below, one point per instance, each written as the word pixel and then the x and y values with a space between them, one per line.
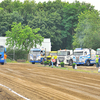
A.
pixel 45 62
pixel 14 61
pixel 19 54
pixel 8 60
pixel 73 64
pixel 48 62
pixel 62 63
pixel 27 61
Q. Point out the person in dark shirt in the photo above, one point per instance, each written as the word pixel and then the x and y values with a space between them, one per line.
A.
pixel 99 61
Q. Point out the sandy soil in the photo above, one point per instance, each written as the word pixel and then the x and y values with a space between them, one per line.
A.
pixel 36 82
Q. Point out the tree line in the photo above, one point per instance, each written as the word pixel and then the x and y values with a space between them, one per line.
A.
pixel 68 25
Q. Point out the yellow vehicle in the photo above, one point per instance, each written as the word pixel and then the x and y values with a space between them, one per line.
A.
pixel 54 54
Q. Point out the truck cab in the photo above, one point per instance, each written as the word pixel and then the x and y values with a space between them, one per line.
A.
pixel 36 55
pixel 2 51
pixel 65 56
pixel 84 56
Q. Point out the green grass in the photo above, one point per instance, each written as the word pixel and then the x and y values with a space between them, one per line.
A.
pixel 27 61
pixel 11 61
pixel 71 69
pixel 63 68
pixel 8 60
pixel 81 70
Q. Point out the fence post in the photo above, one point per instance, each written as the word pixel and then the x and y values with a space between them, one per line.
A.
pixel 14 53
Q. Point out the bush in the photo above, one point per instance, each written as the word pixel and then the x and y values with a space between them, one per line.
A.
pixel 73 64
pixel 45 62
pixel 48 62
pixel 8 60
pixel 27 61
pixel 62 63
pixel 14 61
pixel 19 54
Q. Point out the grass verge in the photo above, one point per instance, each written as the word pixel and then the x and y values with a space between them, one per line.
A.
pixel 71 69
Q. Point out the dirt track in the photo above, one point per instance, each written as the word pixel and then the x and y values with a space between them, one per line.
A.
pixel 37 82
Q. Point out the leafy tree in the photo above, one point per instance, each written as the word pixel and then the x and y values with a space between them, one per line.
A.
pixel 23 37
pixel 4 4
pixel 49 25
pixel 6 20
pixel 28 10
pixel 50 6
pixel 16 17
pixel 29 6
pixel 88 30
pixel 75 43
pixel 1 9
pixel 56 20
pixel 16 5
pixel 71 12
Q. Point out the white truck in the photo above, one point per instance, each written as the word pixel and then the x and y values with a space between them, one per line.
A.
pixel 36 55
pixel 98 52
pixel 84 56
pixel 65 56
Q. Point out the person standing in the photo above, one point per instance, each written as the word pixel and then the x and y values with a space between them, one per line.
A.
pixel 52 60
pixel 56 60
pixel 5 57
pixel 97 61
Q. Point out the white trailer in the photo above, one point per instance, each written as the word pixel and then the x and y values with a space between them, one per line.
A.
pixel 84 56
pixel 65 56
pixel 45 44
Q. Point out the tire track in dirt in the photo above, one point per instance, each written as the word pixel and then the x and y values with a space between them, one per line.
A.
pixel 6 96
pixel 44 93
pixel 63 79
pixel 61 82
pixel 72 86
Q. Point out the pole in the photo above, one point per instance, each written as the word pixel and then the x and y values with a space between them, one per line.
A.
pixel 13 53
pixel 45 53
pixel 90 52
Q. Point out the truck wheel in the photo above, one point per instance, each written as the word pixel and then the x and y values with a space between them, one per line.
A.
pixel 50 63
pixel 42 61
pixel 91 64
pixel 70 62
pixel 87 63
pixel 2 63
pixel 33 62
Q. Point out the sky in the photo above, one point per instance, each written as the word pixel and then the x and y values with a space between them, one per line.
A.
pixel 95 3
